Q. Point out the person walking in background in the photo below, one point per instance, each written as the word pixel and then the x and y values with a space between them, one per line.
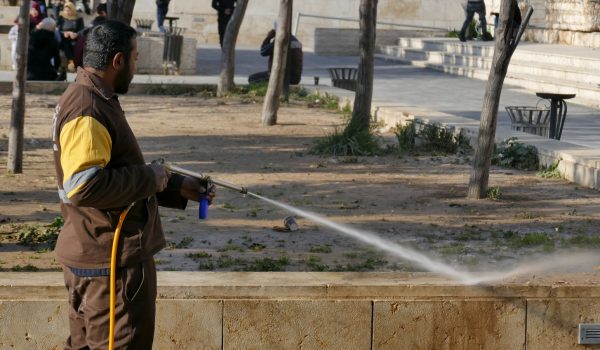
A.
pixel 475 6
pixel 225 10
pixel 44 60
pixel 162 8
pixel 13 36
pixel 495 12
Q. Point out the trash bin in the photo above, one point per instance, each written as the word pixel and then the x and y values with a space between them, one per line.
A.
pixel 172 50
pixel 532 120
pixel 143 24
pixel 343 77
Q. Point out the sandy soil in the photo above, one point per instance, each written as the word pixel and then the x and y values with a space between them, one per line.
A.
pixel 415 200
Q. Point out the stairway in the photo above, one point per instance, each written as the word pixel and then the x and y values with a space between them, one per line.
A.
pixel 535 67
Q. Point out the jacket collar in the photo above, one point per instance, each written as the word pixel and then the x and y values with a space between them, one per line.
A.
pixel 90 79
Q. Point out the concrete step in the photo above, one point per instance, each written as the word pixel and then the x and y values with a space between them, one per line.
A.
pixel 566 75
pixel 535 71
pixel 486 49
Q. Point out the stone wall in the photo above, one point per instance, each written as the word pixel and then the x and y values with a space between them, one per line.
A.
pixel 200 19
pixel 229 310
pixel 344 42
pixel 574 15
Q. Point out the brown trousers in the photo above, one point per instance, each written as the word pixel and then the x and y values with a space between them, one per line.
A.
pixel 135 309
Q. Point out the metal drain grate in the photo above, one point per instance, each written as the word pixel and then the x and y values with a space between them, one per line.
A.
pixel 589 333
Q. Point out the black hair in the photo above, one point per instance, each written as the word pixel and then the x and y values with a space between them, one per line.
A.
pixel 104 41
pixel 101 8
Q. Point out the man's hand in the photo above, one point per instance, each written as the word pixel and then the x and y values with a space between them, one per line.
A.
pixel 271 34
pixel 193 189
pixel 161 176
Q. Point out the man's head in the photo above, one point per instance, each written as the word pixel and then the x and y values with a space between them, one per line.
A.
pixel 47 24
pixel 111 48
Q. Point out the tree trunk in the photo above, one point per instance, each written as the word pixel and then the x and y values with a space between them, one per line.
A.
pixel 228 53
pixel 17 118
pixel 506 44
pixel 361 113
pixel 282 39
pixel 120 10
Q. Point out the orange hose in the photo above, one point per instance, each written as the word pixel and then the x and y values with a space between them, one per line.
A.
pixel 113 273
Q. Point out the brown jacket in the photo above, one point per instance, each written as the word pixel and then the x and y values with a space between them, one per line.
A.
pixel 100 171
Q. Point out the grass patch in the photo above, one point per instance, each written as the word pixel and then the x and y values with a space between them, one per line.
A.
pixel 452 249
pixel 180 90
pixel 342 143
pixel 257 247
pixel 468 236
pixel 584 241
pixel 268 264
pixel 251 90
pixel 494 193
pixel 184 243
pixel 25 268
pixel 314 264
pixel 225 261
pixel 535 239
pixel 323 248
pixel 197 256
pixel 231 247
pixel 41 234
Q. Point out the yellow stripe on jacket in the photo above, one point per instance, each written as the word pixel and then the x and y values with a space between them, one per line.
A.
pixel 85 148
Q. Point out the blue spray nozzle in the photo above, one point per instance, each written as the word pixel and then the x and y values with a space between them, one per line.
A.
pixel 203 208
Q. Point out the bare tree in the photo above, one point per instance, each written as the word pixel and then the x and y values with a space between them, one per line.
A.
pixel 120 10
pixel 361 113
pixel 17 118
pixel 278 70
pixel 228 52
pixel 506 43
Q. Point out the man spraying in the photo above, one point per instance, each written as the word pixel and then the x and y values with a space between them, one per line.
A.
pixel 100 172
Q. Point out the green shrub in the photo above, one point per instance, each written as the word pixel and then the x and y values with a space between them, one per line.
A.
pixel 429 138
pixel 512 154
pixel 406 135
pixel 550 172
pixel 340 143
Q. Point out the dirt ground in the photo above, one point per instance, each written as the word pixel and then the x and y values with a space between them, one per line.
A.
pixel 415 200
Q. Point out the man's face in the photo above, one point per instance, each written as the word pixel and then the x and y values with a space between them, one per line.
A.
pixel 126 74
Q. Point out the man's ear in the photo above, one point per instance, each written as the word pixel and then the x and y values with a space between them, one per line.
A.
pixel 118 61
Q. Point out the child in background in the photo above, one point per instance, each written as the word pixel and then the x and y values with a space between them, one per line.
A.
pixel 13 36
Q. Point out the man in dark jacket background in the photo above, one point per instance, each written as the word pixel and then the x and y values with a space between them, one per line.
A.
pixel 100 171
pixel 296 59
pixel 225 11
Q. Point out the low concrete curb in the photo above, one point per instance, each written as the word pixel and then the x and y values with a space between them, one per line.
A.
pixel 265 310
